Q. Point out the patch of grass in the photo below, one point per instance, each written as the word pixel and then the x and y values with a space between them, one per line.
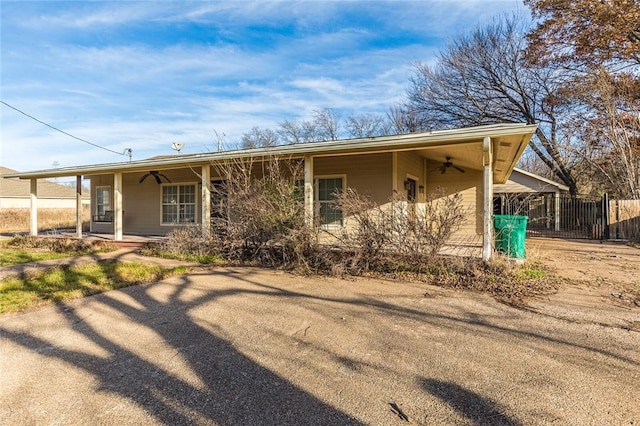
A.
pixel 26 249
pixel 66 283
pixel 204 259
pixel 533 270
pixel 17 256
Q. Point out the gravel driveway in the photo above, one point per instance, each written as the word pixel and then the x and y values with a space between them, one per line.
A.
pixel 245 346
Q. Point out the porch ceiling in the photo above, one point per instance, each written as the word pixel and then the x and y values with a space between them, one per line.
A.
pixel 506 152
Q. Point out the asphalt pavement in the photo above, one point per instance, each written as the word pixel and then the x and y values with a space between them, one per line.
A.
pixel 248 346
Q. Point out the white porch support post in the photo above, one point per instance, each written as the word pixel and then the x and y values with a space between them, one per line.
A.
pixel 556 199
pixel 206 199
pixel 394 171
pixel 309 212
pixel 487 213
pixel 33 215
pixel 79 206
pixel 117 206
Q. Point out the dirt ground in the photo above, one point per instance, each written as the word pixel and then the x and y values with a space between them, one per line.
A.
pixel 605 281
pixel 247 346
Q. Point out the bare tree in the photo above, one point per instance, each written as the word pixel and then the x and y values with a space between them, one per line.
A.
pixel 403 119
pixel 327 124
pixel 483 78
pixel 292 131
pixel 610 129
pixel 259 138
pixel 324 126
pixel 367 125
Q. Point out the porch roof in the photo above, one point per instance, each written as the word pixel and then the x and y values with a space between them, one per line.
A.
pixel 509 141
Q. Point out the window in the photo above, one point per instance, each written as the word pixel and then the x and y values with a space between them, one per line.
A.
pixel 326 194
pixel 178 204
pixel 104 211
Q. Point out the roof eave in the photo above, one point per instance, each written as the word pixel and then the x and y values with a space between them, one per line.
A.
pixel 379 144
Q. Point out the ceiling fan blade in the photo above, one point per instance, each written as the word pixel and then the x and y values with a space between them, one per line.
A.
pixel 157 178
pixel 143 178
pixel 168 180
pixel 458 169
pixel 443 169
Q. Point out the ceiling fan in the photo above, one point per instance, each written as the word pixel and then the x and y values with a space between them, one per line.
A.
pixel 447 165
pixel 156 174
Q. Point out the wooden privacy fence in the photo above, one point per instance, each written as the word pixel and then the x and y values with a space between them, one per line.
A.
pixel 624 219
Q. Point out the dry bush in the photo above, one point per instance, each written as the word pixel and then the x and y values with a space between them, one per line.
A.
pixel 505 280
pixel 259 213
pixel 369 232
pixel 57 245
pixel 421 231
pixel 17 220
pixel 400 235
pixel 189 240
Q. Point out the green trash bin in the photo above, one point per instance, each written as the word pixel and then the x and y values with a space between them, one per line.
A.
pixel 511 231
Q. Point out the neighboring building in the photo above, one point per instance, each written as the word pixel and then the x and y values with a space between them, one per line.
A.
pixel 177 190
pixel 533 196
pixel 15 194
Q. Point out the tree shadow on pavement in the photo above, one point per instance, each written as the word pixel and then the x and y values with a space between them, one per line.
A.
pixel 226 387
pixel 473 407
pixel 230 389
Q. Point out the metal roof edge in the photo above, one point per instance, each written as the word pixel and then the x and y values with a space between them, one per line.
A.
pixel 543 179
pixel 343 145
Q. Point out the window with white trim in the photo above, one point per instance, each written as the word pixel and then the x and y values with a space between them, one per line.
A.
pixel 178 204
pixel 328 189
pixel 104 211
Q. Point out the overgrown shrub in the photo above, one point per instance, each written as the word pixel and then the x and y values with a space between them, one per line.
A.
pixel 401 233
pixel 189 240
pixel 260 215
pixel 507 281
pixel 57 245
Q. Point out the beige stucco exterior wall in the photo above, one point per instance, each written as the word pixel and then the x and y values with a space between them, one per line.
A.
pixel 469 184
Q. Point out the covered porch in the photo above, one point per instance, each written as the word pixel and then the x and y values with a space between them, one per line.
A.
pixel 140 193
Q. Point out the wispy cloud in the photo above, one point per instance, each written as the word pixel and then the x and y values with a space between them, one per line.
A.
pixel 143 74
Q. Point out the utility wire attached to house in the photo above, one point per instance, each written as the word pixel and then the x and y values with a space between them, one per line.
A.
pixel 126 151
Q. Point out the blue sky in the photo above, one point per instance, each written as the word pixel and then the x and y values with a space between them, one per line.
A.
pixel 144 74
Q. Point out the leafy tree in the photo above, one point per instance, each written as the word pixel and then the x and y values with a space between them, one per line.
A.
pixel 609 126
pixel 586 31
pixel 599 42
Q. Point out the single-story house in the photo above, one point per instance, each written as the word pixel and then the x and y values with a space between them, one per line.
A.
pixel 177 190
pixel 16 194
pixel 534 196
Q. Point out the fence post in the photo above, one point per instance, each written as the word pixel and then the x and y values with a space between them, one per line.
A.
pixel 606 218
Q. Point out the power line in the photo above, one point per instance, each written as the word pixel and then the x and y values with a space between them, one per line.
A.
pixel 62 131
